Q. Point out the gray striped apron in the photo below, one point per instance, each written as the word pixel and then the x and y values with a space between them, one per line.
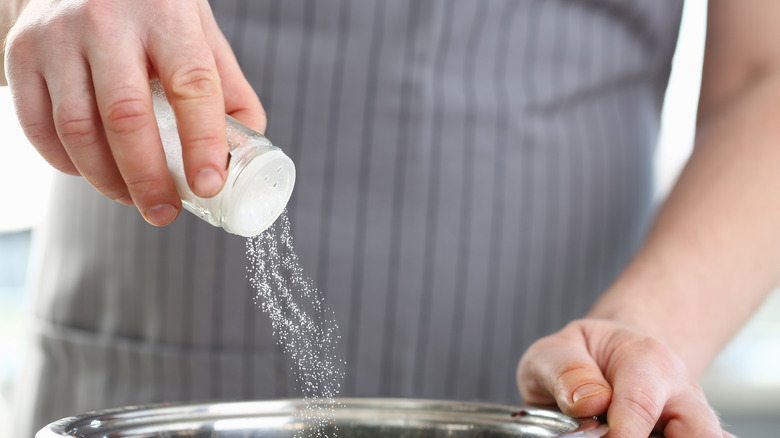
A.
pixel 472 175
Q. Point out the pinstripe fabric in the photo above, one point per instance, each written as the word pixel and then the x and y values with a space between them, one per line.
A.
pixel 355 304
pixel 387 365
pixel 471 176
pixel 332 132
pixel 432 201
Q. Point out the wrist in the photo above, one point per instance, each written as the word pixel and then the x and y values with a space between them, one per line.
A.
pixel 668 302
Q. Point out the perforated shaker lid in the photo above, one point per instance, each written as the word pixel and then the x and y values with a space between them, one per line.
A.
pixel 260 193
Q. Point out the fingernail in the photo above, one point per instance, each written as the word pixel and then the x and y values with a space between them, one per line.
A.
pixel 208 182
pixel 162 214
pixel 588 390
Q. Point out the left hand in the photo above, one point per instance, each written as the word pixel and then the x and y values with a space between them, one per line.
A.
pixel 592 367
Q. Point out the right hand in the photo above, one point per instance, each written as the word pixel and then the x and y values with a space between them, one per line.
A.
pixel 79 73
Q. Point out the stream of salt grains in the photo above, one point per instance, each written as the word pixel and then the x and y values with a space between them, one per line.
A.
pixel 302 324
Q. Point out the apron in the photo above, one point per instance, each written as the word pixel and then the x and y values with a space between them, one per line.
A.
pixel 471 176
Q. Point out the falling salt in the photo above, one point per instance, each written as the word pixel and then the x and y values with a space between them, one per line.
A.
pixel 301 322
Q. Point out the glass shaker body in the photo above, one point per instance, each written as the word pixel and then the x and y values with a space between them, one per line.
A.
pixel 259 182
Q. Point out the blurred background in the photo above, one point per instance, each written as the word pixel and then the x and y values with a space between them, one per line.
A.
pixel 743 383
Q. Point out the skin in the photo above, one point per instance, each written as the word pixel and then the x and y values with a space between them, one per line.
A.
pixel 79 73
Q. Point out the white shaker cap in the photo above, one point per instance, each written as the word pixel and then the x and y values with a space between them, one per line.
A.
pixel 259 193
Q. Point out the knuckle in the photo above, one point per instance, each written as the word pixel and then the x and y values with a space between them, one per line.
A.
pixel 48 145
pixel 18 50
pixel 95 13
pixel 573 373
pixel 127 114
pixel 21 73
pixel 77 131
pixel 573 368
pixel 645 406
pixel 62 163
pixel 201 144
pixel 147 183
pixel 74 125
pixel 67 167
pixel 572 376
pixel 99 16
pixel 38 133
pixel 111 189
pixel 194 82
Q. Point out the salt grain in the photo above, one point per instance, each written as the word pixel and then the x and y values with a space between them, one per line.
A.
pixel 302 324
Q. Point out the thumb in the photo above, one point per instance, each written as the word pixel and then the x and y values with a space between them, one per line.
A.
pixel 582 391
pixel 559 368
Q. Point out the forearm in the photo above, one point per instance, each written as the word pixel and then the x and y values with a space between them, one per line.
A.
pixel 713 253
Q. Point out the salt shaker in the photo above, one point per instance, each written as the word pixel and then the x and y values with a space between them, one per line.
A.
pixel 259 181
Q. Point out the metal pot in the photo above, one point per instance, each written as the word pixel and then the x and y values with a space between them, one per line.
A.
pixel 347 418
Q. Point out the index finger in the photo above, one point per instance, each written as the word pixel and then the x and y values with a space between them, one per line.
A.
pixel 638 399
pixel 125 105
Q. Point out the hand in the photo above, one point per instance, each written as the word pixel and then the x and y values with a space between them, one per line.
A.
pixel 79 74
pixel 592 367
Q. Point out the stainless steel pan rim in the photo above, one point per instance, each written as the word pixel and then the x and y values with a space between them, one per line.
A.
pixel 289 415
